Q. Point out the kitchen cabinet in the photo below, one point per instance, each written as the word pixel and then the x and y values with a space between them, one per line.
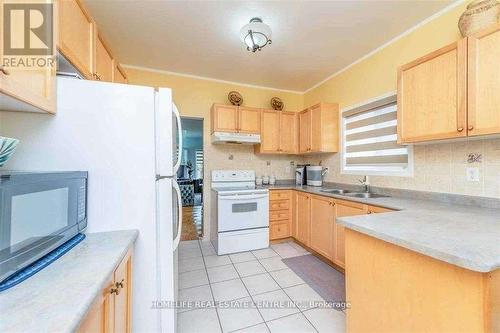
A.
pixel 319 129
pixel 484 82
pixel 303 207
pixel 322 225
pixel 119 75
pixel 279 133
pixel 344 208
pixel 104 63
pixel 76 36
pixel 376 209
pixel 234 119
pixel 111 311
pixel 432 95
pixel 280 214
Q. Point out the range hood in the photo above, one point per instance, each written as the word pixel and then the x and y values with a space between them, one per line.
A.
pixel 235 138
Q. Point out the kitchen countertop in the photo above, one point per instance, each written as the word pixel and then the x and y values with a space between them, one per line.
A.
pixel 462 235
pixel 58 297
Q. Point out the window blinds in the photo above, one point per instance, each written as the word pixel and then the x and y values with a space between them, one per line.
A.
pixel 370 135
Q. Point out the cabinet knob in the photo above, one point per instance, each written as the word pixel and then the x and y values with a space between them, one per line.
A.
pixel 369 212
pixel 470 128
pixel 97 76
pixel 120 284
pixel 115 291
pixel 4 71
pixel 460 129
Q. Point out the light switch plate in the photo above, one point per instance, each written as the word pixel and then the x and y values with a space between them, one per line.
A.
pixel 472 174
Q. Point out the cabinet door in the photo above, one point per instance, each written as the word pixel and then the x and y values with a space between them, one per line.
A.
pixel 76 30
pixel 270 132
pixel 119 75
pixel 288 132
pixel 104 64
pixel 100 316
pixel 432 96
pixel 305 131
pixel 322 224
pixel 122 300
pixel 224 118
pixel 316 130
pixel 303 207
pixel 249 120
pixel 344 208
pixel 484 82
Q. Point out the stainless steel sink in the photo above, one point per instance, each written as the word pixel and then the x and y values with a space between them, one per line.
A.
pixel 364 195
pixel 335 191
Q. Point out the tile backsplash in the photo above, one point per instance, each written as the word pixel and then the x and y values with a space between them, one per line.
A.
pixel 439 167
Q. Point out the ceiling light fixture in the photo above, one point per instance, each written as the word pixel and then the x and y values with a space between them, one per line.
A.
pixel 256 34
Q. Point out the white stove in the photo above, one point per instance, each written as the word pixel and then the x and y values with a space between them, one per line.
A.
pixel 240 212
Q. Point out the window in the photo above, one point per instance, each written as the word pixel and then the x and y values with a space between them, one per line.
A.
pixel 199 164
pixel 370 147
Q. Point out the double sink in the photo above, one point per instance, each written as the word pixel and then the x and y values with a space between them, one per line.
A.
pixel 363 195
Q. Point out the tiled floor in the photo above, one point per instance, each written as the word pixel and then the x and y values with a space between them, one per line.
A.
pixel 245 292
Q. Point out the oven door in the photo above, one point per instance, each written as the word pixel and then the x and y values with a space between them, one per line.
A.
pixel 243 211
pixel 36 218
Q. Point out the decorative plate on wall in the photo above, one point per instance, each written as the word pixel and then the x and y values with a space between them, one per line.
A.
pixel 235 98
pixel 277 103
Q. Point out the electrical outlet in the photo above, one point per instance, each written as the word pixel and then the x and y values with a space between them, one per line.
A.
pixel 472 174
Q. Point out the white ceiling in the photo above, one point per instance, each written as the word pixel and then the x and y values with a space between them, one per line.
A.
pixel 311 39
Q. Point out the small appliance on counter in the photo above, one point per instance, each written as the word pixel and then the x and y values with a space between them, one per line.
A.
pixel 315 175
pixel 300 174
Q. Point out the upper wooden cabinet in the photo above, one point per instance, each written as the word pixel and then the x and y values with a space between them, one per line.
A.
pixel 319 129
pixel 76 36
pixel 119 75
pixel 104 63
pixel 230 118
pixel 451 92
pixel 484 82
pixel 278 133
pixel 322 225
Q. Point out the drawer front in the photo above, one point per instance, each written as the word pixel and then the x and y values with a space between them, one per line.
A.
pixel 279 204
pixel 279 195
pixel 279 230
pixel 279 215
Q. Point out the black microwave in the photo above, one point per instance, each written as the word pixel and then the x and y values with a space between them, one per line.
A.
pixel 39 211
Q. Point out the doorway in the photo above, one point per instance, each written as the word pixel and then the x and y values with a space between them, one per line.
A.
pixel 190 178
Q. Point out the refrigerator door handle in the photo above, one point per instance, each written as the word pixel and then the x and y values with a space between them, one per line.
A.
pixel 179 130
pixel 177 238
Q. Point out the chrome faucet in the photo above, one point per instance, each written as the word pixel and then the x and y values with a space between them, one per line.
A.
pixel 364 181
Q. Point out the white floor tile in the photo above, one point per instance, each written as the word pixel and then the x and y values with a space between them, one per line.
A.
pixel 294 323
pixel 242 257
pixel 196 297
pixel 214 261
pixel 286 278
pixel 193 244
pixel 198 321
pixel 187 253
pixel 326 320
pixel 285 250
pixel 273 264
pixel 222 273
pixel 274 304
pixel 191 264
pixel 261 328
pixel 264 253
pixel 193 279
pixel 304 296
pixel 229 290
pixel 239 314
pixel 298 247
pixel 208 251
pixel 249 268
pixel 259 284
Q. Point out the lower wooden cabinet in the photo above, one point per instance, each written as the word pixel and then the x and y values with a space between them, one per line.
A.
pixel 280 214
pixel 303 206
pixel 344 208
pixel 111 311
pixel 322 225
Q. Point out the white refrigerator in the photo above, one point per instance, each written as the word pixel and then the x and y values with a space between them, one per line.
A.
pixel 127 138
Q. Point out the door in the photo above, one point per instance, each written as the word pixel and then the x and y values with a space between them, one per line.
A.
pixel 270 132
pixel 76 35
pixel 100 316
pixel 249 120
pixel 242 211
pixel 224 118
pixel 123 295
pixel 432 96
pixel 316 130
pixel 303 217
pixel 322 224
pixel 104 64
pixel 484 82
pixel 288 132
pixel 305 131
pixel 344 208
